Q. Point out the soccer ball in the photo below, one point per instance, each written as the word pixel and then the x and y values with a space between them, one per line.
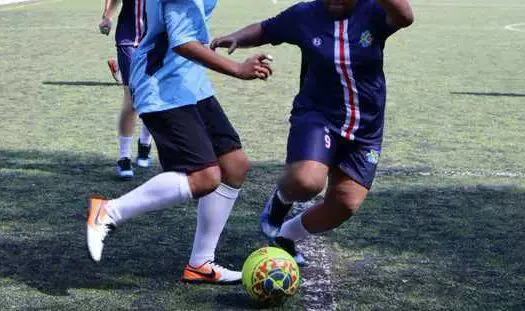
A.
pixel 271 275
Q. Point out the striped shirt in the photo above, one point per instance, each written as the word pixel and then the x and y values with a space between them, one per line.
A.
pixel 344 79
pixel 131 23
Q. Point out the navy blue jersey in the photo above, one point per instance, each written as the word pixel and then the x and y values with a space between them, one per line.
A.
pixel 130 27
pixel 344 77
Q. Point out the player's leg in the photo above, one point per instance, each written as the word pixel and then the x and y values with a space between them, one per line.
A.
pixel 190 171
pixel 126 129
pixel 348 187
pixel 127 123
pixel 311 150
pixel 144 148
pixel 215 208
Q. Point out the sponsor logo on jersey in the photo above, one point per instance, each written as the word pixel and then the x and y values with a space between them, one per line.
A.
pixel 372 157
pixel 366 39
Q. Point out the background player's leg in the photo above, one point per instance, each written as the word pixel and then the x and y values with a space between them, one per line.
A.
pixel 126 128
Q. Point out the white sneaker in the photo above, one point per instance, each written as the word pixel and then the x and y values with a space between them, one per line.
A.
pixel 211 273
pixel 99 224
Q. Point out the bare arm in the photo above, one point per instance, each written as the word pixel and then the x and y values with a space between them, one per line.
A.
pixel 249 36
pixel 399 12
pixel 110 7
pixel 255 67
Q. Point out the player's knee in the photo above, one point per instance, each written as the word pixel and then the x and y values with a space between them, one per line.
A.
pixel 234 168
pixel 349 205
pixel 309 184
pixel 205 181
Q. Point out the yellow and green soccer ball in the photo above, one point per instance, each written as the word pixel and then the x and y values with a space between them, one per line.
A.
pixel 271 275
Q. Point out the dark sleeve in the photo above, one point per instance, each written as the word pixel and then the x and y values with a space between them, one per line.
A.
pixel 282 28
pixel 380 21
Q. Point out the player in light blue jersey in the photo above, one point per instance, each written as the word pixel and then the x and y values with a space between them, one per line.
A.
pixel 199 150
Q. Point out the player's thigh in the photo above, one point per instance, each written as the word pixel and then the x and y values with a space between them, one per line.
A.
pixel 124 56
pixel 127 103
pixel 181 138
pixel 310 154
pixel 358 162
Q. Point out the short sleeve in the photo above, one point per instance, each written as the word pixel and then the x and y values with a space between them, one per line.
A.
pixel 185 22
pixel 380 21
pixel 282 28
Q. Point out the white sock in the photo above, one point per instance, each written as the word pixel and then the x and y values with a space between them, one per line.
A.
pixel 213 212
pixel 145 136
pixel 293 229
pixel 124 144
pixel 162 191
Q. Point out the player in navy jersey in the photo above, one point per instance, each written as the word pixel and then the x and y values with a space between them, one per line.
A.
pixel 129 32
pixel 338 115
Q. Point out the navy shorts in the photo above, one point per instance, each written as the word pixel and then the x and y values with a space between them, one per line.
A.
pixel 190 138
pixel 124 53
pixel 311 139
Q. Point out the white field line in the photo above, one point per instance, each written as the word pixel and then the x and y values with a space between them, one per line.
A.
pixel 470 5
pixel 95 28
pixel 30 4
pixel 6 2
pixel 317 286
pixel 447 173
pixel 520 27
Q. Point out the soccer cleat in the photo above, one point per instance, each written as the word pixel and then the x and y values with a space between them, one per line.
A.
pixel 143 157
pixel 99 225
pixel 273 216
pixel 113 68
pixel 289 247
pixel 211 273
pixel 124 169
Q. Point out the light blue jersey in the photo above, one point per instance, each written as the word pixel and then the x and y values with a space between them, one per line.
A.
pixel 160 78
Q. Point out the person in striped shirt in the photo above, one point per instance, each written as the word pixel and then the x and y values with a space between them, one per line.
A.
pixel 129 32
pixel 338 115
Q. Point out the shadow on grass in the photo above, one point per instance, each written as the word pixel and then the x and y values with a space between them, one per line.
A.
pixel 80 83
pixel 439 247
pixel 43 199
pixel 410 247
pixel 489 94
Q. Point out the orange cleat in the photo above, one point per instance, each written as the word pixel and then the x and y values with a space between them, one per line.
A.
pixel 114 69
pixel 211 273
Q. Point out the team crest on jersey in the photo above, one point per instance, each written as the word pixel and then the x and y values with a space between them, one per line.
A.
pixel 366 39
pixel 372 157
pixel 317 41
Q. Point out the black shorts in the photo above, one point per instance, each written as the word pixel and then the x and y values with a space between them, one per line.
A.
pixel 190 138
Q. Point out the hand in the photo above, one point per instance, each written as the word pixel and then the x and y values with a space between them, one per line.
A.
pixel 228 42
pixel 105 26
pixel 255 67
